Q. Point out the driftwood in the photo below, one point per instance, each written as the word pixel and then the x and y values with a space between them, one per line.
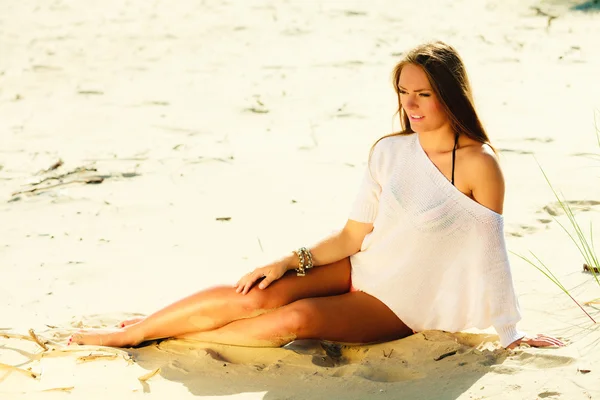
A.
pixel 76 175
pixel 587 268
pixel 54 166
pixel 60 389
pixel 91 179
pixel 149 375
pixel 447 354
pixel 66 174
pixel 27 372
pixel 93 357
pixel 37 340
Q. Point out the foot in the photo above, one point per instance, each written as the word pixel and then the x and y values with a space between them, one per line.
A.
pixel 131 321
pixel 104 337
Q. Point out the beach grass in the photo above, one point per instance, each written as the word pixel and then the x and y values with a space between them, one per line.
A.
pixel 582 242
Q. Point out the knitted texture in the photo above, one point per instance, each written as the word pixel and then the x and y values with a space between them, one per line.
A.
pixel 435 257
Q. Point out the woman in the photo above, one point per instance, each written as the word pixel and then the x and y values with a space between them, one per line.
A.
pixel 423 247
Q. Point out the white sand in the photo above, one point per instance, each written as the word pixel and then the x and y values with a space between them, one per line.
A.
pixel 173 94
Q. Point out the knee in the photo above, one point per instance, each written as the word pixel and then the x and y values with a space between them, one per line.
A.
pixel 258 301
pixel 300 318
pixel 263 300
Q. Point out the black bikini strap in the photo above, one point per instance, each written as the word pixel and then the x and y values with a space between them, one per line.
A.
pixel 454 156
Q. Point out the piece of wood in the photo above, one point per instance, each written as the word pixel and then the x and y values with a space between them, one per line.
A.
pixel 37 340
pixel 584 371
pixel 149 375
pixel 448 354
pixel 16 336
pixel 60 389
pixel 31 374
pixel 587 268
pixel 92 357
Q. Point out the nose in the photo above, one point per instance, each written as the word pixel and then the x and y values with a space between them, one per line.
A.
pixel 410 103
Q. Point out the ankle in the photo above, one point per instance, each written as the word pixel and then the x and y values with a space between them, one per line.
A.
pixel 133 335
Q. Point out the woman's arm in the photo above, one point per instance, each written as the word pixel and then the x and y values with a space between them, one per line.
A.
pixel 340 245
pixel 487 187
pixel 331 249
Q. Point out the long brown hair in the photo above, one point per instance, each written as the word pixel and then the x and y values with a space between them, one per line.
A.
pixel 448 78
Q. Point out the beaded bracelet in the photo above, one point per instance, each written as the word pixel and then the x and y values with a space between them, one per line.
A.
pixel 300 271
pixel 305 260
pixel 309 260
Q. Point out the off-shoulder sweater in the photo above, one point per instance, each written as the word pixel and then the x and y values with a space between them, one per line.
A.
pixel 435 257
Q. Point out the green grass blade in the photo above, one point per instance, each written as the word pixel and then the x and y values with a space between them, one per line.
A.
pixel 594 264
pixel 582 244
pixel 553 278
pixel 597 129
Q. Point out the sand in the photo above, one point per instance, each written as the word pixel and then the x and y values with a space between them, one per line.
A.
pixel 201 139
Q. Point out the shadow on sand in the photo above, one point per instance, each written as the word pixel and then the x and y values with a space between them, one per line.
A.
pixel 427 365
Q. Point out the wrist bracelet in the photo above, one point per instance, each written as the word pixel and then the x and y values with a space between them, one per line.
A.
pixel 300 271
pixel 305 260
pixel 308 256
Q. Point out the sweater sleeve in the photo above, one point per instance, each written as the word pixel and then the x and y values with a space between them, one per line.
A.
pixel 503 304
pixel 366 203
pixel 508 334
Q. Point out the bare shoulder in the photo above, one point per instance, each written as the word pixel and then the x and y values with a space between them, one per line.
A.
pixel 482 161
pixel 485 177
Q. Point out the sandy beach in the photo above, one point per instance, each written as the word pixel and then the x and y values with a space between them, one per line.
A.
pixel 152 149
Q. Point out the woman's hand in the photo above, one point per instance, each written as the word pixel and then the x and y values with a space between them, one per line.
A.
pixel 538 341
pixel 270 273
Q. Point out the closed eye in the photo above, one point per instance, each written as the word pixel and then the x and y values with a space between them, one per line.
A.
pixel 401 91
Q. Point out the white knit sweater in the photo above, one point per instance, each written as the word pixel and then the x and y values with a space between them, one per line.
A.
pixel 435 257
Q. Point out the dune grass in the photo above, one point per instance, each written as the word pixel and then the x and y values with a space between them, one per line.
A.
pixel 584 244
pixel 548 273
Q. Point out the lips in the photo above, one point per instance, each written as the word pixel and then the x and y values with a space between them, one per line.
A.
pixel 415 117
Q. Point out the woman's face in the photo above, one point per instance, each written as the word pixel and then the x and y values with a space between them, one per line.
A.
pixel 419 101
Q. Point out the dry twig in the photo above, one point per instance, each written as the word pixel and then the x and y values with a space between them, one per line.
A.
pixel 52 167
pixel 149 375
pixel 37 340
pixel 587 268
pixel 92 357
pixel 77 349
pixel 447 354
pixel 31 374
pixel 16 336
pixel 91 179
pixel 60 389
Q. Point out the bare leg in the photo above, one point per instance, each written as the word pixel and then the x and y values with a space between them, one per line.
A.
pixel 349 318
pixel 212 308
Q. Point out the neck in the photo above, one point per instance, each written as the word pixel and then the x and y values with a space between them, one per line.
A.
pixel 438 141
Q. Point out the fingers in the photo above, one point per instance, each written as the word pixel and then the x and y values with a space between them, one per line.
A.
pixel 245 287
pixel 544 341
pixel 266 282
pixel 551 341
pixel 245 284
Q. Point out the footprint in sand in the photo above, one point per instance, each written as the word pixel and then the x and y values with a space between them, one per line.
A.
pixel 377 374
pixel 554 209
pixel 545 395
pixel 541 361
pixel 522 230
pixel 389 373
